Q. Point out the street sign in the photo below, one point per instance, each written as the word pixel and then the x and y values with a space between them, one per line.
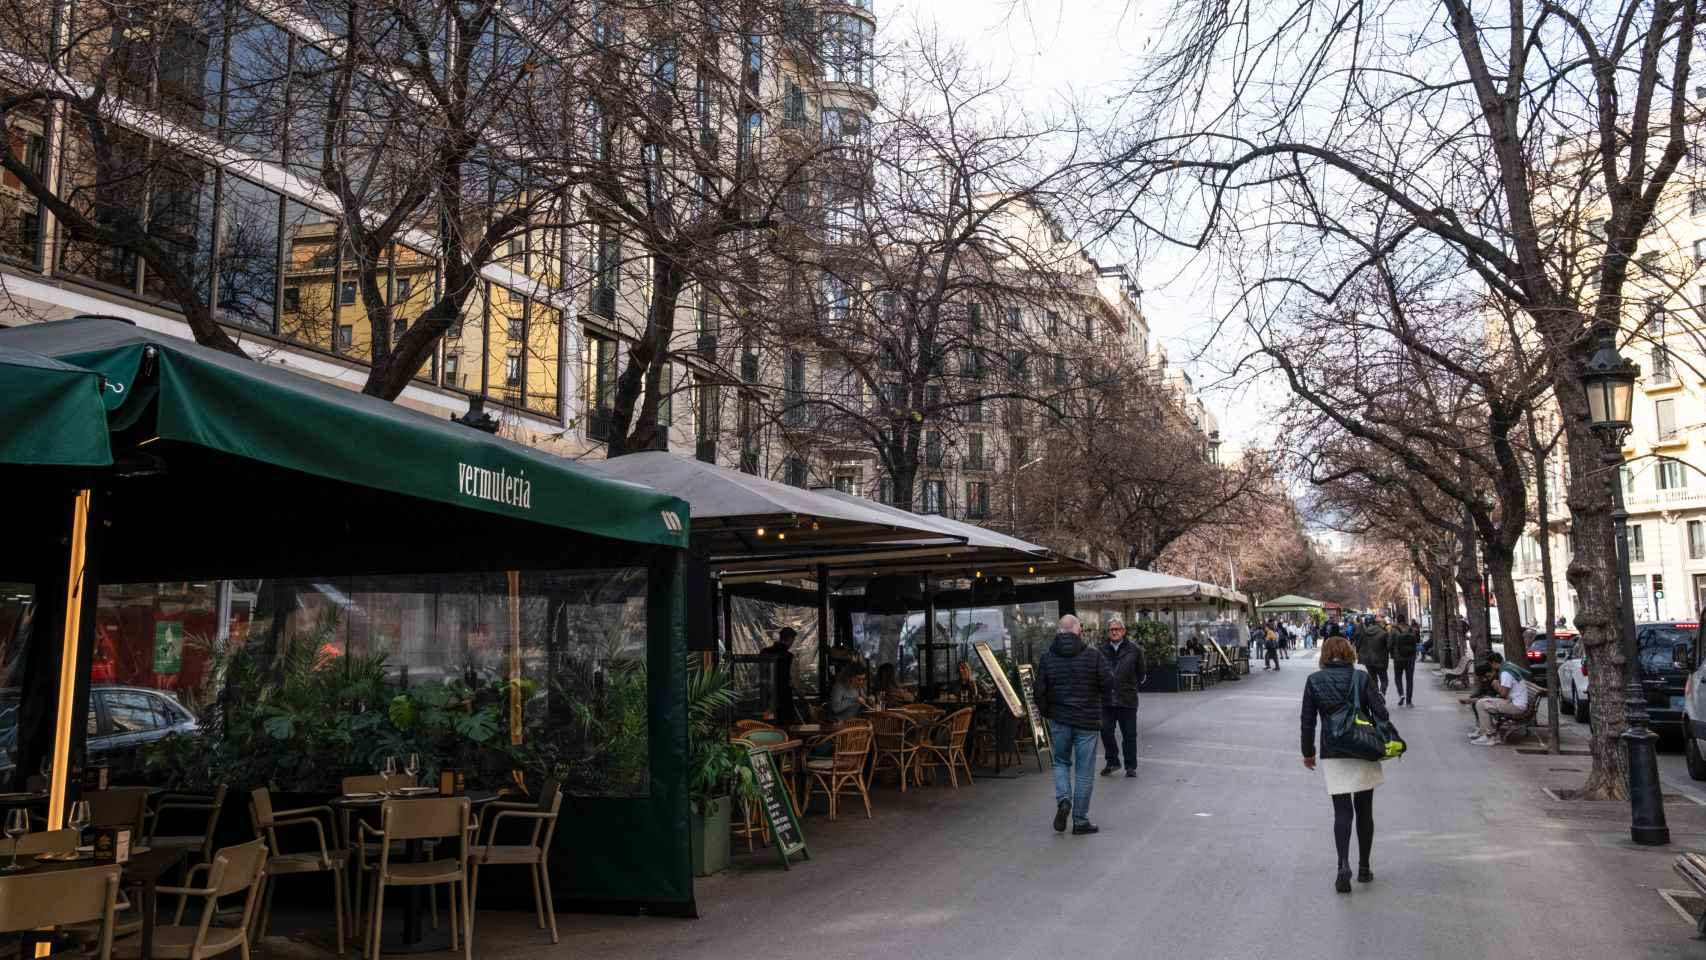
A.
pixel 778 808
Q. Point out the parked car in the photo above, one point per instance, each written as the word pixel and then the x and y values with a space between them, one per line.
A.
pixel 1666 650
pixel 1694 710
pixel 121 721
pixel 1536 655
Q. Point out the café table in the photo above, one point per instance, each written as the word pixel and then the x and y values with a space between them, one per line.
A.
pixel 144 869
pixel 413 939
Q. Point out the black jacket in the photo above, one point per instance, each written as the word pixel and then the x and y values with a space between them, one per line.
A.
pixel 1404 645
pixel 1325 691
pixel 1070 682
pixel 1127 670
pixel 1373 647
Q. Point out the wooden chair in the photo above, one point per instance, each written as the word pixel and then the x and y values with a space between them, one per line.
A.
pixel 534 854
pixel 119 808
pixel 434 818
pixel 29 901
pixel 845 769
pixel 366 854
pixel 751 823
pixel 946 745
pixel 231 871
pixel 895 743
pixel 321 858
pixel 200 844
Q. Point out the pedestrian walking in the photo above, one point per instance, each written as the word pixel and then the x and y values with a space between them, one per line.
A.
pixel 1350 782
pixel 1406 641
pixel 1270 648
pixel 1119 701
pixel 1284 630
pixel 1070 683
pixel 1374 648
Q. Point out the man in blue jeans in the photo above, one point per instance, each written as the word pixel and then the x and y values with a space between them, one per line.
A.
pixel 1069 686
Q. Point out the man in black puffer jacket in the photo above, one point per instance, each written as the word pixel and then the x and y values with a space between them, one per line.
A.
pixel 1071 682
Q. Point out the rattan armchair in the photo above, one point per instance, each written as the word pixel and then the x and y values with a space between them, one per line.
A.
pixel 946 745
pixel 844 770
pixel 895 743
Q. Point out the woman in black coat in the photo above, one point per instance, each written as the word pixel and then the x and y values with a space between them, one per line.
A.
pixel 1350 781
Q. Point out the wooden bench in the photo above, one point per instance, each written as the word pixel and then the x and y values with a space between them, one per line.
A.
pixel 1458 676
pixel 1505 724
pixel 1692 867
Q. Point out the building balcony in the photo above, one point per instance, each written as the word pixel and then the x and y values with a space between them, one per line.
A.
pixel 1659 501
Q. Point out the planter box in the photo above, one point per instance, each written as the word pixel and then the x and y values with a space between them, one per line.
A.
pixel 1162 678
pixel 710 838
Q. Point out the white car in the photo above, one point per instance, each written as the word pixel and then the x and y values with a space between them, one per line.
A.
pixel 1573 683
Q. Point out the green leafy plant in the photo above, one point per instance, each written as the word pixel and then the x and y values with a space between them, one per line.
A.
pixel 715 767
pixel 1159 644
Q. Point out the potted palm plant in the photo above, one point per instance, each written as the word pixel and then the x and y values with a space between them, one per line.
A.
pixel 717 770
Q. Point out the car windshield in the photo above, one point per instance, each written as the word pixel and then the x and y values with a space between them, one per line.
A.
pixel 1659 646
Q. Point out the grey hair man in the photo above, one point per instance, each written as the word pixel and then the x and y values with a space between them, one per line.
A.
pixel 1071 682
pixel 1119 701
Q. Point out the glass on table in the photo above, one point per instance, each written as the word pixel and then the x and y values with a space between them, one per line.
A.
pixel 79 819
pixel 389 771
pixel 17 825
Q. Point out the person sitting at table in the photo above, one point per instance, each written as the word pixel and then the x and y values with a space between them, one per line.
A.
pixel 1194 647
pixel 847 695
pixel 889 688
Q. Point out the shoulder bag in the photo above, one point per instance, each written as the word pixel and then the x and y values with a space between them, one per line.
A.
pixel 1349 729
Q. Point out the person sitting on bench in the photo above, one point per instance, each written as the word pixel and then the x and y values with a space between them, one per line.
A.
pixel 1510 698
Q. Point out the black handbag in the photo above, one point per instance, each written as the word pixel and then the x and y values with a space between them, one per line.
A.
pixel 1350 731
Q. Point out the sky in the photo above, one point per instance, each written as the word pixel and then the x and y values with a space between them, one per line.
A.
pixel 1054 50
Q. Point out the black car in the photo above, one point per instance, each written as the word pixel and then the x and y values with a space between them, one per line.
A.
pixel 121 720
pixel 1666 651
pixel 1536 657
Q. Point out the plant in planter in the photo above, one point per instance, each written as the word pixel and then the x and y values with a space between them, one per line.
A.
pixel 717 773
pixel 1160 654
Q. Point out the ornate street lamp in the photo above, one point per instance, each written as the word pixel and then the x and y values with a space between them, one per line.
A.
pixel 1609 380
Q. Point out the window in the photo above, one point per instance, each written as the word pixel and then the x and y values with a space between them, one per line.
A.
pixel 293 299
pixel 1697 540
pixel 974 411
pixel 1012 318
pixel 512 370
pixel 794 391
pixel 1661 367
pixel 1089 327
pixel 346 337
pixel 1666 414
pixel 606 257
pixel 453 370
pixel 843 482
pixel 347 294
pixel 793 103
pixel 1053 324
pixel 885 490
pixel 746 144
pixel 837 302
pixel 1021 452
pixel 977 498
pixel 705 413
pixel 935 496
pixel 131 712
pixel 1637 546
pixel 1671 475
pixel 974 451
pixel 1016 366
pixel 666 394
pixel 1628 476
pixel 400 293
pixel 1699 252
pixel 974 319
pixel 794 472
pixel 933 449
pixel 598 383
pixel 847 49
pixel 1059 370
pixel 399 327
pixel 514 325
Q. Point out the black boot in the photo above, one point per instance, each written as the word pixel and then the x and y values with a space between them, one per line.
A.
pixel 1343 883
pixel 1364 874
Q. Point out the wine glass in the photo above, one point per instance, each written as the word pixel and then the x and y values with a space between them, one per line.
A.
pixel 79 819
pixel 389 771
pixel 413 768
pixel 17 824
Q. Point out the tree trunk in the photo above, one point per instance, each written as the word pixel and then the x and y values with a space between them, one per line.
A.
pixel 1593 574
pixel 1469 584
pixel 1550 626
pixel 634 410
pixel 1500 561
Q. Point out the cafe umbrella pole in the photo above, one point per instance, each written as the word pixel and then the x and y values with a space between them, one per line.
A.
pixel 59 784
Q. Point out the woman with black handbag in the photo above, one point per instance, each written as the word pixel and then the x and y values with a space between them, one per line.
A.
pixel 1354 732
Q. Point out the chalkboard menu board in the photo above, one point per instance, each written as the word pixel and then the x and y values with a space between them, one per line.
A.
pixel 1039 732
pixel 778 809
pixel 999 675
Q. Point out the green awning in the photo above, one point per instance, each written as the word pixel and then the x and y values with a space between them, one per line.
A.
pixel 188 393
pixel 52 412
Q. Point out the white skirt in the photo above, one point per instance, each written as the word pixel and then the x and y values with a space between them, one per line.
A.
pixel 1344 775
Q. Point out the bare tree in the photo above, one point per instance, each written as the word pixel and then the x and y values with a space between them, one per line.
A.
pixel 1344 131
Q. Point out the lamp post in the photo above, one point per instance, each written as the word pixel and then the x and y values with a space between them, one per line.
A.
pixel 1609 380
